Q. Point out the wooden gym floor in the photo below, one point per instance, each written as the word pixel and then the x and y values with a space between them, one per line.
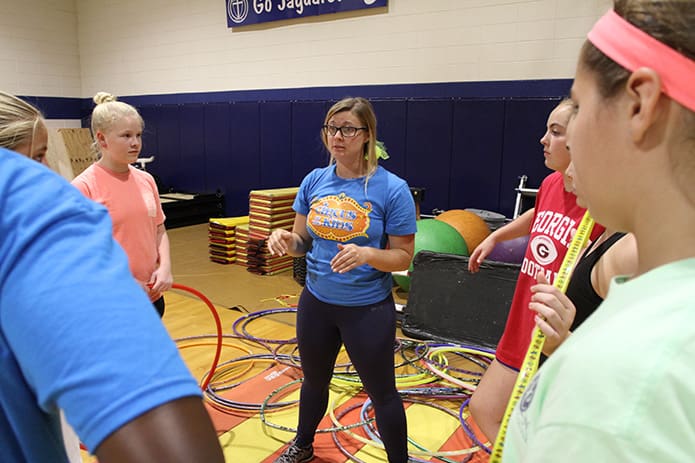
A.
pixel 235 291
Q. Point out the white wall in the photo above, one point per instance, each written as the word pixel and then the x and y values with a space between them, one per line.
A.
pixel 64 123
pixel 39 55
pixel 136 47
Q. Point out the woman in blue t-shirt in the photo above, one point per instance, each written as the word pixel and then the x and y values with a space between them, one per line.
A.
pixel 355 222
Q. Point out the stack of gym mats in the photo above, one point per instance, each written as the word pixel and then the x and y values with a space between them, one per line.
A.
pixel 222 238
pixel 242 240
pixel 268 210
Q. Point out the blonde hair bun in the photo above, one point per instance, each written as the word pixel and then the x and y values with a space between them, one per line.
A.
pixel 104 97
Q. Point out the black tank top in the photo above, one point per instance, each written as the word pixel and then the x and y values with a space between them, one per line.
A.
pixel 579 289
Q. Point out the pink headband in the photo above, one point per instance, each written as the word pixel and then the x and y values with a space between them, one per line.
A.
pixel 633 48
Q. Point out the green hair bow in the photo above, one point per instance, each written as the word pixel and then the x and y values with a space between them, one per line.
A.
pixel 380 149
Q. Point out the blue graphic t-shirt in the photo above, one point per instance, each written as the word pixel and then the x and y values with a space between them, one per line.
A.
pixel 102 355
pixel 343 211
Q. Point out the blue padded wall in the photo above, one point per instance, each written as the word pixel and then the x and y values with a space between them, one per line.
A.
pixel 466 144
pixel 391 129
pixel 243 158
pixel 308 151
pixel 463 152
pixel 428 151
pixel 217 144
pixel 276 144
pixel 150 144
pixel 167 163
pixel 477 155
pixel 191 169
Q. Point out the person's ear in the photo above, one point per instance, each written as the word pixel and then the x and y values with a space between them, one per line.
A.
pixel 644 93
pixel 101 139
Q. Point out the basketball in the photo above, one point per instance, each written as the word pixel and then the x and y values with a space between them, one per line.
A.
pixel 470 226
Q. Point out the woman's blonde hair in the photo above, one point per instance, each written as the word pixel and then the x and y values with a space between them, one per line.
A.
pixel 18 121
pixel 364 111
pixel 108 110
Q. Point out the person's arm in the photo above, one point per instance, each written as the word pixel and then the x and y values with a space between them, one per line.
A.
pixel 162 278
pixel 619 259
pixel 294 243
pixel 521 226
pixel 397 257
pixel 178 431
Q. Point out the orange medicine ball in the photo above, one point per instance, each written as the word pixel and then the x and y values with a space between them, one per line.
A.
pixel 470 226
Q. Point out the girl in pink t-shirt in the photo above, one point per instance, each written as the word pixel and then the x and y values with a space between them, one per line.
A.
pixel 130 195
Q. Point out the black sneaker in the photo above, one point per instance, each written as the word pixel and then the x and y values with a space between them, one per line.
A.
pixel 295 454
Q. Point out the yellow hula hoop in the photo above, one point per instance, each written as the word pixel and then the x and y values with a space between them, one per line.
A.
pixel 438 352
pixel 530 363
pixel 339 399
pixel 402 382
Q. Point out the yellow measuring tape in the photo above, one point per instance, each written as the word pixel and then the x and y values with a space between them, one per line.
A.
pixel 530 364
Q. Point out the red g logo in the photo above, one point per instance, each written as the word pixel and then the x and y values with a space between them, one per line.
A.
pixel 543 249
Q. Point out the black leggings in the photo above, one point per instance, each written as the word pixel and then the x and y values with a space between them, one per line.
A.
pixel 369 334
pixel 159 306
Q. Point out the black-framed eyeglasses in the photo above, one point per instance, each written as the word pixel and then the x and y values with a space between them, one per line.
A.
pixel 345 131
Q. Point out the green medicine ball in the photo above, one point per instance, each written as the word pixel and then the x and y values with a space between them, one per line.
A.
pixel 435 236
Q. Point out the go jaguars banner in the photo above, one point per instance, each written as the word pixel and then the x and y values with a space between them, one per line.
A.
pixel 245 12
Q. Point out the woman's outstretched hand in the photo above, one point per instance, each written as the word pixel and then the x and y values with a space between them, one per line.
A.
pixel 280 242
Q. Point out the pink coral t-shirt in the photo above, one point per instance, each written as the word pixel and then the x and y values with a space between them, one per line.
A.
pixel 132 200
